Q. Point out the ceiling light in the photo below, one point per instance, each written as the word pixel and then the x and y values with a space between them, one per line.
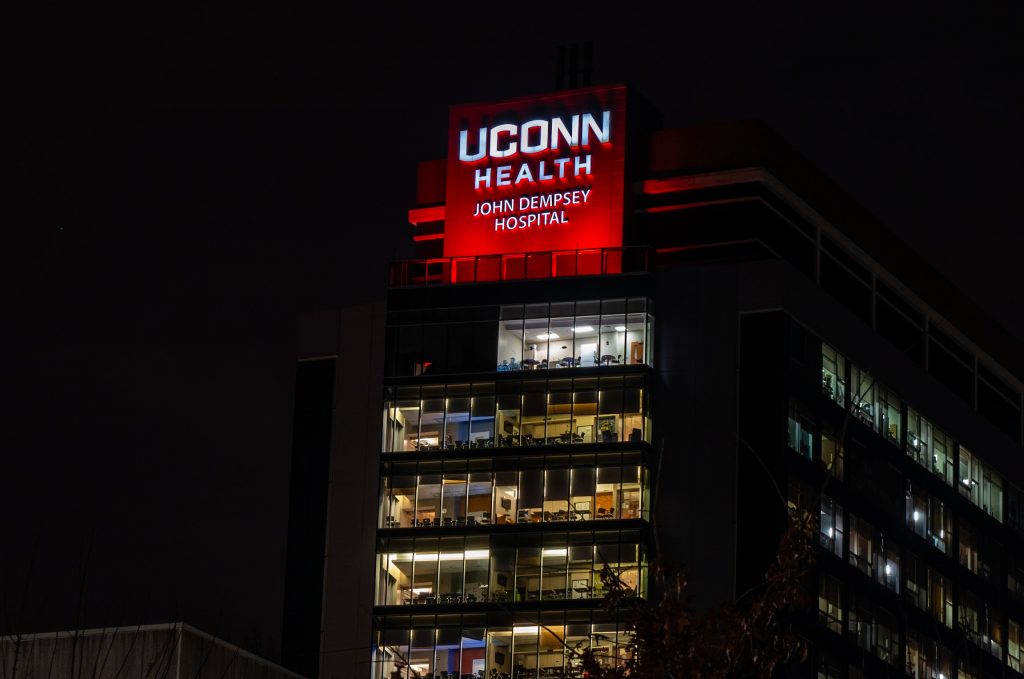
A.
pixel 583 328
pixel 555 552
pixel 547 336
pixel 525 629
pixel 620 328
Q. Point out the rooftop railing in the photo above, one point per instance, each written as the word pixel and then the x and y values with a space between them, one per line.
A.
pixel 520 266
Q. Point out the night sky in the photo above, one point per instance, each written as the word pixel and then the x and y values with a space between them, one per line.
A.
pixel 179 182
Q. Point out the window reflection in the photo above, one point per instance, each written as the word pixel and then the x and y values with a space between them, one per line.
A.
pixel 537 495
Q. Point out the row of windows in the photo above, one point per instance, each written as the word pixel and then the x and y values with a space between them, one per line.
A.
pixel 558 335
pixel 469 570
pixel 525 650
pixel 874 628
pixel 882 410
pixel 931 519
pixel 513 497
pixel 517 413
pixel 869 550
pixel 905 326
pixel 574 335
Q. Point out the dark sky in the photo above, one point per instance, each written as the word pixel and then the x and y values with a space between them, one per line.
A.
pixel 179 182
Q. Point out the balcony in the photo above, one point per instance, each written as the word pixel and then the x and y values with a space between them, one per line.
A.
pixel 520 266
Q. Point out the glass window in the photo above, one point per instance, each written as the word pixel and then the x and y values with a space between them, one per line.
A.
pixel 1015 577
pixel 586 336
pixel 506 497
pixel 503 570
pixel 553 572
pixel 1013 646
pixel 432 422
pixel 481 427
pixel 1015 508
pixel 979 623
pixel 830 610
pixel 980 484
pixel 532 412
pixel 401 428
pixel 833 374
pixel 980 553
pixel 889 418
pixel 801 430
pixel 929 518
pixel 428 501
pixel 508 423
pixel 631 502
pixel 862 396
pixel 528 574
pixel 874 629
pixel 861 543
pixel 606 497
pixel 479 502
pixel 887 564
pixel 421 653
pixel 831 526
pixel 940 597
pixel 832 455
pixel 612 345
pixel 567 335
pixel 829 667
pixel 531 496
pixel 609 420
pixel 448 651
pixel 926 659
pixel 929 446
pixel 582 487
pixel 556 495
pixel 401 507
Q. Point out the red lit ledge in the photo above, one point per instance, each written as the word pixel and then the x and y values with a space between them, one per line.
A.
pixel 520 266
pixel 426 215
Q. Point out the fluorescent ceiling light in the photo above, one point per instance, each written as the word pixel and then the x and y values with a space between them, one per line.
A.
pixel 561 551
pixel 583 328
pixel 525 629
pixel 547 336
pixel 620 328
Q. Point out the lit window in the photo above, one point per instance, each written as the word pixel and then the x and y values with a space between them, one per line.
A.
pixel 833 374
pixel 830 611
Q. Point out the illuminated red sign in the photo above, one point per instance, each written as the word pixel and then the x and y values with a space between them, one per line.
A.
pixel 536 174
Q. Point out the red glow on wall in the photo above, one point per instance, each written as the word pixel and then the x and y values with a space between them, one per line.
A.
pixel 513 193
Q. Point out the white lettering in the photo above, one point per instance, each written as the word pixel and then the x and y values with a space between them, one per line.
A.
pixel 558 130
pixel 481 146
pixel 542 141
pixel 504 174
pixel 524 174
pixel 581 165
pixel 482 176
pixel 603 133
pixel 536 136
pixel 510 150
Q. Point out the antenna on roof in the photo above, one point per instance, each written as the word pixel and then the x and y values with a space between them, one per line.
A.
pixel 574 65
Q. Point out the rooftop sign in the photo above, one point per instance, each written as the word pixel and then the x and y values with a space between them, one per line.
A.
pixel 536 174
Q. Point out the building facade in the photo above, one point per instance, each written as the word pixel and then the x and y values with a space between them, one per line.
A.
pixel 701 335
pixel 132 652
